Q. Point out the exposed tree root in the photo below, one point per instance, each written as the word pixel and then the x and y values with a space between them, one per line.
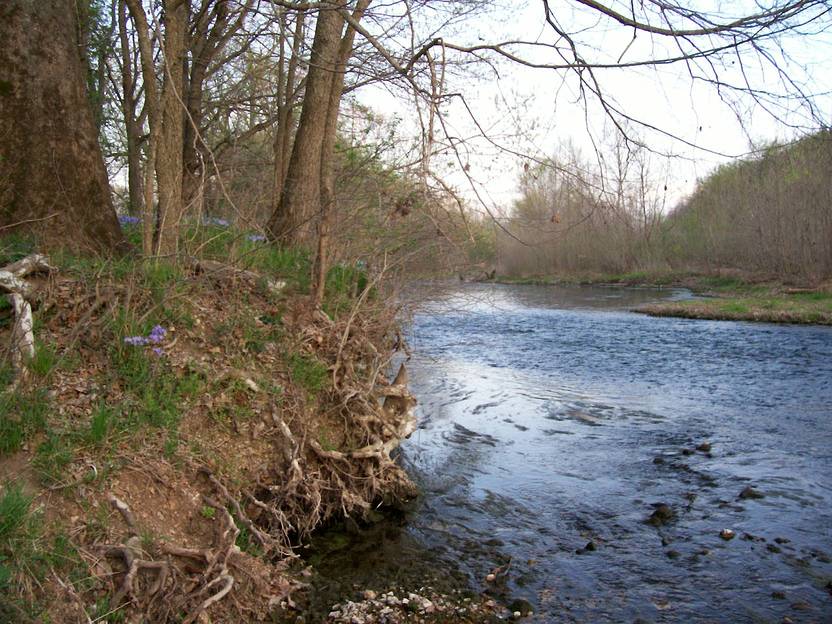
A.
pixel 13 282
pixel 187 581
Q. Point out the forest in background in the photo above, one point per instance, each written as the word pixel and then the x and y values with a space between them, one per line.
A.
pixel 769 214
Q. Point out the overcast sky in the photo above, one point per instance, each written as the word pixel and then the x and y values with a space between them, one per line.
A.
pixel 538 112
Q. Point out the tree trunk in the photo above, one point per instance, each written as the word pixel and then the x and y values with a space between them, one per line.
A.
pixel 327 207
pixel 170 147
pixel 285 104
pixel 301 192
pixel 52 175
pixel 135 186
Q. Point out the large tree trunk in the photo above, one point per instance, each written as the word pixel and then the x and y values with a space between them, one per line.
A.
pixel 52 175
pixel 300 199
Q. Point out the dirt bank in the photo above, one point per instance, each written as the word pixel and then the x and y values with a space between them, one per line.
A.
pixel 179 433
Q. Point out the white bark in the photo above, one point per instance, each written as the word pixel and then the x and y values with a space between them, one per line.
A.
pixel 12 281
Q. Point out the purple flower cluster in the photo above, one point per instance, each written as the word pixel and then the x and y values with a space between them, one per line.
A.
pixel 128 220
pixel 136 341
pixel 156 335
pixel 256 238
pixel 216 221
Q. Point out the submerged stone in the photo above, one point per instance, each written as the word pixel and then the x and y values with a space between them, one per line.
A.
pixel 749 492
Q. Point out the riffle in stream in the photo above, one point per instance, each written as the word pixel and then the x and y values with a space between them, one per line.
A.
pixel 558 438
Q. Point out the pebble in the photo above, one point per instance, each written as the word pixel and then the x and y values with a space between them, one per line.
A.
pixel 727 534
pixel 705 447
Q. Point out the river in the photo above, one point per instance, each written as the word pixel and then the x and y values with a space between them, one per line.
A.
pixel 554 422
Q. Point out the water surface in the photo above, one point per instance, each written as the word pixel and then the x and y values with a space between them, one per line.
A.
pixel 552 417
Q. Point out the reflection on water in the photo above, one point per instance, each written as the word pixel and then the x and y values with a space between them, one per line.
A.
pixel 552 418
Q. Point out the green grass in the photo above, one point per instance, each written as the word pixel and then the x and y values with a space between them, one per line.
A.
pixel 162 279
pixel 102 421
pixel 343 285
pixel 292 265
pixel 14 511
pixel 735 307
pixel 13 247
pixel 28 554
pixel 768 307
pixel 308 372
pixel 53 456
pixel 22 414
pixel 45 360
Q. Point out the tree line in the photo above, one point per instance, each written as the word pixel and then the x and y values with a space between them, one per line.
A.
pixel 769 214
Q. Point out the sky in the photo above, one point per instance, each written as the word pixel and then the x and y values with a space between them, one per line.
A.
pixel 536 112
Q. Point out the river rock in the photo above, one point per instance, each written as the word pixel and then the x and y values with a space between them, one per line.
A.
pixel 705 447
pixel 662 514
pixel 727 534
pixel 521 606
pixel 750 492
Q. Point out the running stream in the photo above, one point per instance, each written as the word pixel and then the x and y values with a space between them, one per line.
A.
pixel 554 422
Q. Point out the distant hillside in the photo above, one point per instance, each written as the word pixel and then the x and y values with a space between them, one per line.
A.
pixel 771 214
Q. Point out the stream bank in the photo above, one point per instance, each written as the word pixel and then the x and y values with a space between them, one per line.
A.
pixel 722 295
pixel 180 434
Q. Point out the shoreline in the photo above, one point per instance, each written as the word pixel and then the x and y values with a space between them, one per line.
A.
pixel 718 297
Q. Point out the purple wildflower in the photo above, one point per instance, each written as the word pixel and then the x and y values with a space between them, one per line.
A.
pixel 216 221
pixel 158 351
pixel 136 341
pixel 128 220
pixel 256 238
pixel 157 334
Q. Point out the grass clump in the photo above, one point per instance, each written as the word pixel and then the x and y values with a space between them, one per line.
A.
pixel 15 246
pixel 44 361
pixel 52 457
pixel 22 414
pixel 28 554
pixel 308 372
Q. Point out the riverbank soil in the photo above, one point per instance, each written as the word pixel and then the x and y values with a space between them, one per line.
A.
pixel 725 295
pixel 179 433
